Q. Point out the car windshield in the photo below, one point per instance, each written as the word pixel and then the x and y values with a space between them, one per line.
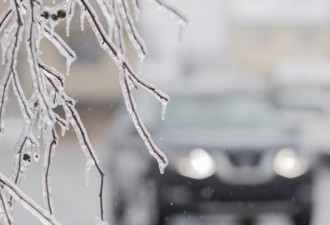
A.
pixel 227 111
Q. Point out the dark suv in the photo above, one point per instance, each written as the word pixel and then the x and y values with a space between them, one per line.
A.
pixel 229 152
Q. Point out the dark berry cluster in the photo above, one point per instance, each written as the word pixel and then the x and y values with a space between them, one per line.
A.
pixel 59 15
pixel 26 157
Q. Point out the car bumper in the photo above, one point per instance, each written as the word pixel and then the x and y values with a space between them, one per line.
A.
pixel 178 193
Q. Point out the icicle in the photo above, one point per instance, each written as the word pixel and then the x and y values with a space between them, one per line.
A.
pixel 163 110
pixel 162 167
pixel 39 125
pixel 182 21
pixel 69 17
pixel 182 26
pixel 137 9
pixel 63 130
pixel 68 65
pixel 98 221
pixel 89 164
pixel 82 20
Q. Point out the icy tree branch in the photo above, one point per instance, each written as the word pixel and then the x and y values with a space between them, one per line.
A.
pixel 27 22
pixel 14 191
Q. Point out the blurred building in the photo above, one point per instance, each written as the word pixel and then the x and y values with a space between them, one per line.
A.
pixel 259 37
pixel 263 35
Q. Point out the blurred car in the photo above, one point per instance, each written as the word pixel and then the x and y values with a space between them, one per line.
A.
pixel 302 90
pixel 230 151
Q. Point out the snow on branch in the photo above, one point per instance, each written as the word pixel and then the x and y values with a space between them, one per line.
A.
pixel 26 23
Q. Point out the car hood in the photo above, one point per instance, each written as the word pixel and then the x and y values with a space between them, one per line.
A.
pixel 229 138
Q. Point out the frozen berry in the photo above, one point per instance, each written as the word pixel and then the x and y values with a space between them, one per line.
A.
pixel 54 17
pixel 61 14
pixel 26 157
pixel 45 15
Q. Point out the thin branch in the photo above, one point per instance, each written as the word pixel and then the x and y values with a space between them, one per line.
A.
pixel 53 73
pixel 26 201
pixel 145 135
pixel 131 29
pixel 11 56
pixel 34 64
pixel 84 141
pixel 27 113
pixel 5 208
pixel 48 158
pixel 63 48
pixel 160 95
pixel 172 10
pixel 4 17
pixel 106 43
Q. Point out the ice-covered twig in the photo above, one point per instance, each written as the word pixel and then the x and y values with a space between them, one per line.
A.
pixel 12 54
pixel 4 17
pixel 130 28
pixel 132 109
pixel 5 208
pixel 137 8
pixel 7 185
pixel 84 142
pixel 52 72
pixel 18 90
pixel 49 151
pixel 150 87
pixel 111 49
pixel 63 48
pixel 182 19
pixel 32 43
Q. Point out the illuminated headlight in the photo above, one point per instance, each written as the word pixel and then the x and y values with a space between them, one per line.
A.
pixel 199 165
pixel 288 164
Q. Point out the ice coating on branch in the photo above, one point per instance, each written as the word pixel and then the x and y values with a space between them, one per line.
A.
pixel 61 46
pixel 69 16
pixel 5 209
pixel 50 144
pixel 98 221
pixel 26 201
pixel 4 17
pixel 131 30
pixel 99 31
pixel 178 16
pixel 163 110
pixel 90 162
pixel 69 62
pixel 137 9
pixel 82 20
pixel 143 132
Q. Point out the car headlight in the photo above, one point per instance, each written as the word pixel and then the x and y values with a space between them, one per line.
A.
pixel 199 165
pixel 288 164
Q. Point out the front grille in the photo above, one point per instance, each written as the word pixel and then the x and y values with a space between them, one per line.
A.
pixel 244 158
